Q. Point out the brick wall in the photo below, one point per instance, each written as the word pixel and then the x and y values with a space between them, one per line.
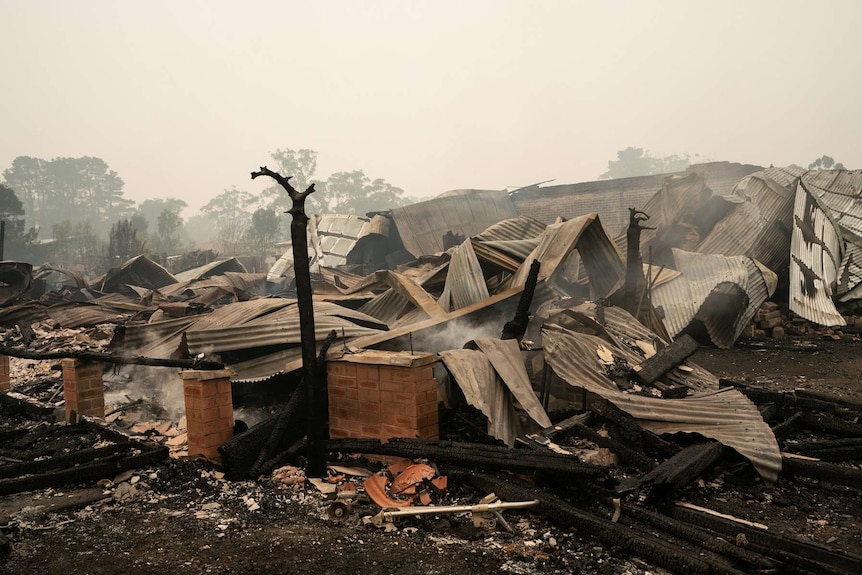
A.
pixel 5 379
pixel 209 411
pixel 83 389
pixel 381 401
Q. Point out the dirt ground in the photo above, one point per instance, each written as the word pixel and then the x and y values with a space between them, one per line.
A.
pixel 182 516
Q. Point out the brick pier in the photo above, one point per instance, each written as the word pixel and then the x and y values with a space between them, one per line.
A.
pixel 209 411
pixel 83 389
pixel 376 394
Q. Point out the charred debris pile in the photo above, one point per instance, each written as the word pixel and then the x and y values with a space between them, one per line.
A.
pixel 563 368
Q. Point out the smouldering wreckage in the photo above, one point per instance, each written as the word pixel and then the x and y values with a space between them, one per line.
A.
pixel 707 264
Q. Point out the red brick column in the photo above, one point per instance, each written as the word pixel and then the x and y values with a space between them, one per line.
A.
pixel 83 389
pixel 209 411
pixel 5 379
pixel 408 398
pixel 367 399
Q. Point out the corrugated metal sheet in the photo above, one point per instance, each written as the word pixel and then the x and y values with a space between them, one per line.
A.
pixel 81 315
pixel 722 292
pixel 850 276
pixel 484 390
pixel 513 229
pixel 815 257
pixel 505 356
pixel 279 328
pixel 682 198
pixel 841 191
pixel 331 237
pixel 386 307
pixel 157 339
pixel 465 283
pixel 759 225
pixel 625 332
pixel 265 367
pixel 139 271
pixel 423 225
pixel 726 415
pixel 211 269
pixel 600 256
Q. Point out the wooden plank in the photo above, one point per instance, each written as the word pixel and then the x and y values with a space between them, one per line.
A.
pixel 666 359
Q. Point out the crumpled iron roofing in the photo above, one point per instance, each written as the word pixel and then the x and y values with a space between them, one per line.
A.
pixel 722 292
pixel 850 276
pixel 725 415
pixel 759 224
pixel 815 257
pixel 465 283
pixel 217 267
pixel 841 191
pixel 423 225
pixel 597 251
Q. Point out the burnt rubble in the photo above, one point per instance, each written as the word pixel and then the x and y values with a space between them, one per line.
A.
pixel 591 413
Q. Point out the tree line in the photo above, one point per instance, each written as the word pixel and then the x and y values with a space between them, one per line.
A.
pixel 72 211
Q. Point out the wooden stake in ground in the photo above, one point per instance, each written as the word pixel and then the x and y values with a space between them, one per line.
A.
pixel 299 238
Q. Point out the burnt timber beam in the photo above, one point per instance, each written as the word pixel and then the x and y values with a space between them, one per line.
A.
pixel 795 555
pixel 666 359
pixel 560 512
pixel 473 455
pixel 102 357
pixel 684 467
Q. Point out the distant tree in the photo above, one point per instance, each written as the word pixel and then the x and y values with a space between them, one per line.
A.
pixel 169 239
pixel 300 165
pixel 201 229
pixel 78 189
pixel 633 162
pixel 19 243
pixel 230 212
pixel 150 209
pixel 123 244
pixel 264 232
pixel 825 163
pixel 76 246
pixel 355 193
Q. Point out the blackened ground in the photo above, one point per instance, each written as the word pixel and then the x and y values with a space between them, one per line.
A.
pixel 182 517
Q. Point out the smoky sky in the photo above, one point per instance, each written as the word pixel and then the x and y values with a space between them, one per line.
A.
pixel 184 99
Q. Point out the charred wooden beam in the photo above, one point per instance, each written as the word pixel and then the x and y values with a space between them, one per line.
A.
pixel 666 359
pixel 299 239
pixel 517 326
pixel 80 467
pixel 110 358
pixel 795 555
pixel 822 471
pixel 629 426
pixel 845 449
pixel 567 424
pixel 784 429
pixel 650 548
pixel 473 455
pixel 697 535
pixel 829 424
pixel 684 467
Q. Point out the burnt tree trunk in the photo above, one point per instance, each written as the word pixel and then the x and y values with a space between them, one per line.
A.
pixel 299 238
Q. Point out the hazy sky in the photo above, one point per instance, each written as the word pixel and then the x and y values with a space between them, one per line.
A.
pixel 184 99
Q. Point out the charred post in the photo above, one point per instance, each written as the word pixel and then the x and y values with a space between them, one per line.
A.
pixel 634 266
pixel 299 239
pixel 517 326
